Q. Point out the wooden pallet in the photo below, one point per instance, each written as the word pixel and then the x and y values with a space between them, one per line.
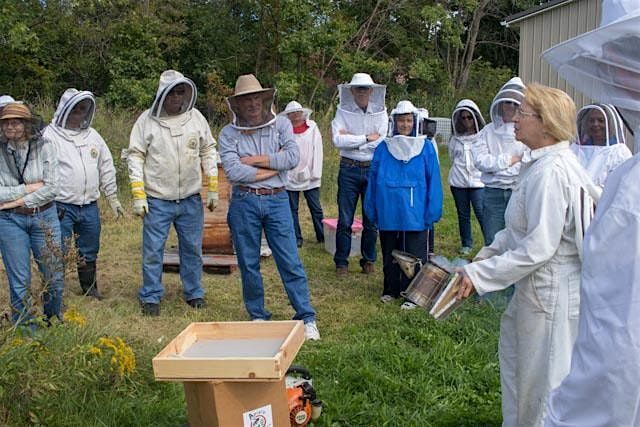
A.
pixel 211 263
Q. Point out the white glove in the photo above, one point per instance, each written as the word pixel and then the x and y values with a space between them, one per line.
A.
pixel 212 200
pixel 116 206
pixel 140 207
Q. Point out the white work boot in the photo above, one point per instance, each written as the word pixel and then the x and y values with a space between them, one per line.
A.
pixel 311 331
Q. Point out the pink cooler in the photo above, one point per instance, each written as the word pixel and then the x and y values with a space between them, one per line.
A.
pixel 330 226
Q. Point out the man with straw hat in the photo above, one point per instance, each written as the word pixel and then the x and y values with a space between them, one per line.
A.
pixel 257 150
pixel 169 148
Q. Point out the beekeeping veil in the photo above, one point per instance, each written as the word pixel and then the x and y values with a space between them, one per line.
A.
pixel 506 101
pixel 404 147
pixel 245 85
pixel 293 107
pixel 458 125
pixel 612 126
pixel 349 110
pixel 70 99
pixel 604 64
pixel 168 81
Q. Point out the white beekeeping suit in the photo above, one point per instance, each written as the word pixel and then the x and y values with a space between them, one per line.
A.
pixel 463 173
pixel 602 387
pixel 358 123
pixel 498 145
pixel 600 147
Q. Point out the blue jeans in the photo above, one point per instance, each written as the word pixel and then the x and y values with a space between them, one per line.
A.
pixel 20 234
pixel 187 217
pixel 84 223
pixel 313 202
pixel 352 183
pixel 464 199
pixel 494 203
pixel 250 214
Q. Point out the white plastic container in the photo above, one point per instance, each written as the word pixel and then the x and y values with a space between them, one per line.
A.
pixel 330 226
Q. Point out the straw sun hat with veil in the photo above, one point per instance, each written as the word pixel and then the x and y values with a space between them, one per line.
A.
pixel 248 84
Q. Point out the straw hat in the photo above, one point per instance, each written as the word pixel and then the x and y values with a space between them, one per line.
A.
pixel 16 111
pixel 248 83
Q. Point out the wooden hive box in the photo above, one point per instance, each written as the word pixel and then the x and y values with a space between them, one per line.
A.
pixel 230 351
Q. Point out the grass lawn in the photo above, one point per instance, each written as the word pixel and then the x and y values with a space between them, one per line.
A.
pixel 375 365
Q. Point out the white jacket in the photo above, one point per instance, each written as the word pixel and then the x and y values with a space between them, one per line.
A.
pixel 602 388
pixel 463 172
pixel 358 124
pixel 308 173
pixel 169 154
pixel 492 156
pixel 599 161
pixel 85 165
pixel 539 251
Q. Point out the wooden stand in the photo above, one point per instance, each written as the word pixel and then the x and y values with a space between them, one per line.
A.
pixel 232 372
pixel 217 247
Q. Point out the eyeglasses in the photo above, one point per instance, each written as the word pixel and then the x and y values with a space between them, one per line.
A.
pixel 362 88
pixel 520 112
pixel 12 123
pixel 510 103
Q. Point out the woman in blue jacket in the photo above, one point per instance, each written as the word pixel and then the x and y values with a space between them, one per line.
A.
pixel 404 195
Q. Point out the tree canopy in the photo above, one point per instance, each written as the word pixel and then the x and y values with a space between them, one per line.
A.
pixel 432 52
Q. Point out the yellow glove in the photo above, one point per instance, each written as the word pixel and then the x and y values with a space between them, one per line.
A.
pixel 212 194
pixel 140 207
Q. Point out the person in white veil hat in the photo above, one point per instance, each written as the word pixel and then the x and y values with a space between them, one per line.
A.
pixel 602 387
pixel 170 147
pixel 359 126
pixel 404 195
pixel 305 178
pixel 600 146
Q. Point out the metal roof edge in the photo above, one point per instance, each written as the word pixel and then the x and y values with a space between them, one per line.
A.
pixel 520 16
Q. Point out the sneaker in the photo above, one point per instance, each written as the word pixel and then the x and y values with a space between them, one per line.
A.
pixel 257 319
pixel 197 303
pixel 367 268
pixel 386 299
pixel 466 250
pixel 150 309
pixel 342 271
pixel 408 305
pixel 311 331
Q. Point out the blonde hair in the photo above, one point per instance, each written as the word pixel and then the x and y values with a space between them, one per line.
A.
pixel 556 109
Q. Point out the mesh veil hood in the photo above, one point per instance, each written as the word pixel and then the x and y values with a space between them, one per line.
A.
pixel 168 80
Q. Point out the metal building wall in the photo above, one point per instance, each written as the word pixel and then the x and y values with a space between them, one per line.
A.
pixel 548 28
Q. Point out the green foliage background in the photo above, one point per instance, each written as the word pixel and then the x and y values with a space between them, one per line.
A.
pixel 118 48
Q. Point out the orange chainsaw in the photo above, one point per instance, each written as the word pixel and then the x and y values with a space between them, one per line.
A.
pixel 304 405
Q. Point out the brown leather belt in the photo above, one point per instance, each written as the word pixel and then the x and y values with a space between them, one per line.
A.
pixel 260 191
pixel 350 162
pixel 30 211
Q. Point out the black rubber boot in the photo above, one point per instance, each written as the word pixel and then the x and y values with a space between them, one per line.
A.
pixel 87 278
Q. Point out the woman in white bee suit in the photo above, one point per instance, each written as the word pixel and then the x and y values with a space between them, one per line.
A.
pixel 86 170
pixel 600 146
pixel 464 178
pixel 540 251
pixel 404 195
pixel 306 177
pixel 602 387
pixel 497 155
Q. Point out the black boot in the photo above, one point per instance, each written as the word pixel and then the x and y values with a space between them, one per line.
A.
pixel 87 278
